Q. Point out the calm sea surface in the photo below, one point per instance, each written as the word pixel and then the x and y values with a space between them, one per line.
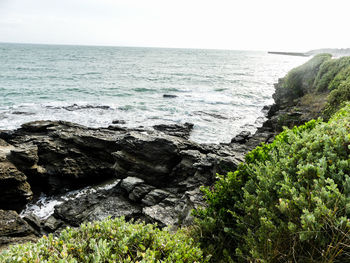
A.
pixel 220 92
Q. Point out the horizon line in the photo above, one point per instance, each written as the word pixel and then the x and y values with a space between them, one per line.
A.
pixel 129 46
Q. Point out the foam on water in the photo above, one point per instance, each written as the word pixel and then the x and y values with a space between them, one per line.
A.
pixel 45 205
pixel 221 92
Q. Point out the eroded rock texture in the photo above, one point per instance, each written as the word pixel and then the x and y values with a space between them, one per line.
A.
pixel 156 172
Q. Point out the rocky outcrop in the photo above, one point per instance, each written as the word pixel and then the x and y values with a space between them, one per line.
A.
pixel 60 156
pixel 156 172
pixel 13 229
pixel 289 111
pixel 14 188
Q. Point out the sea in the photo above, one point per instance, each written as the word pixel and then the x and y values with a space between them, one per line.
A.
pixel 222 92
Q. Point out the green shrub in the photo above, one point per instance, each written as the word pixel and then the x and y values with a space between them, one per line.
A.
pixel 337 98
pixel 331 73
pixel 109 241
pixel 300 80
pixel 289 202
pixel 342 75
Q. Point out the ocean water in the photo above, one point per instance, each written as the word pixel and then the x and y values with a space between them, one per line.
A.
pixel 221 92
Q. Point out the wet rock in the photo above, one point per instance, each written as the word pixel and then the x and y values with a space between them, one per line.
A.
pixel 13 229
pixel 15 191
pixel 158 170
pixel 182 131
pixel 95 207
pixel 242 137
pixel 154 197
pixel 130 183
pixel 140 191
pixel 266 108
pixel 189 201
pixel 119 122
pixel 37 126
pixel 51 224
pixel 24 156
pixel 117 128
pixel 148 157
pixel 60 156
pixel 34 222
pixel 175 211
pixel 169 96
pixel 22 113
pixel 164 215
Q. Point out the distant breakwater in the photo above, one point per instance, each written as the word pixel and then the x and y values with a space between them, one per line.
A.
pixel 289 53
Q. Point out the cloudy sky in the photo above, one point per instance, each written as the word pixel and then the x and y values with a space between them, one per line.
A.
pixel 296 25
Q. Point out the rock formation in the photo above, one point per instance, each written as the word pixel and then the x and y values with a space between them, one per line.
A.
pixel 156 173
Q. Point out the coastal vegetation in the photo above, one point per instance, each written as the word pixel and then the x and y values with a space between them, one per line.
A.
pixel 299 80
pixel 288 202
pixel 110 240
pixel 321 75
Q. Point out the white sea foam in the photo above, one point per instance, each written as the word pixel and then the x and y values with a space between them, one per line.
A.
pixel 45 205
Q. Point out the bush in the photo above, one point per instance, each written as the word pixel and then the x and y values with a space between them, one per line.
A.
pixel 288 202
pixel 343 75
pixel 109 241
pixel 300 80
pixel 337 98
pixel 331 73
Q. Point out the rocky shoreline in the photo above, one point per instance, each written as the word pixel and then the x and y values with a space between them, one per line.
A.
pixel 154 175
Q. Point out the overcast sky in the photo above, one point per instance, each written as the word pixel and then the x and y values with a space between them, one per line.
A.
pixel 296 25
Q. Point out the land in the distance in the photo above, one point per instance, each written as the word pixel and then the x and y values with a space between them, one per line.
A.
pixel 336 52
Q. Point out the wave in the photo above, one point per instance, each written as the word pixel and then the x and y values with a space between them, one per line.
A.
pixel 75 106
pixel 144 90
pixel 211 114
pixel 220 89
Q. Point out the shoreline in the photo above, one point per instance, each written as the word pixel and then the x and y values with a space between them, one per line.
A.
pixel 157 174
pixel 57 157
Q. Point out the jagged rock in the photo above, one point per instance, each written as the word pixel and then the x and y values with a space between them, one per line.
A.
pixel 173 211
pixel 189 201
pixel 130 183
pixel 51 224
pixel 242 137
pixel 140 191
pixel 24 156
pixel 164 215
pixel 13 229
pixel 97 206
pixel 182 131
pixel 157 169
pixel 60 156
pixel 119 122
pixel 15 191
pixel 34 222
pixel 154 197
pixel 37 126
pixel 148 157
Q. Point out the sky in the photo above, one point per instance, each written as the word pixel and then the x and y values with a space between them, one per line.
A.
pixel 278 25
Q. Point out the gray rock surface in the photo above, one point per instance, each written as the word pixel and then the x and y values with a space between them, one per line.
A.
pixel 13 229
pixel 156 169
pixel 15 191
